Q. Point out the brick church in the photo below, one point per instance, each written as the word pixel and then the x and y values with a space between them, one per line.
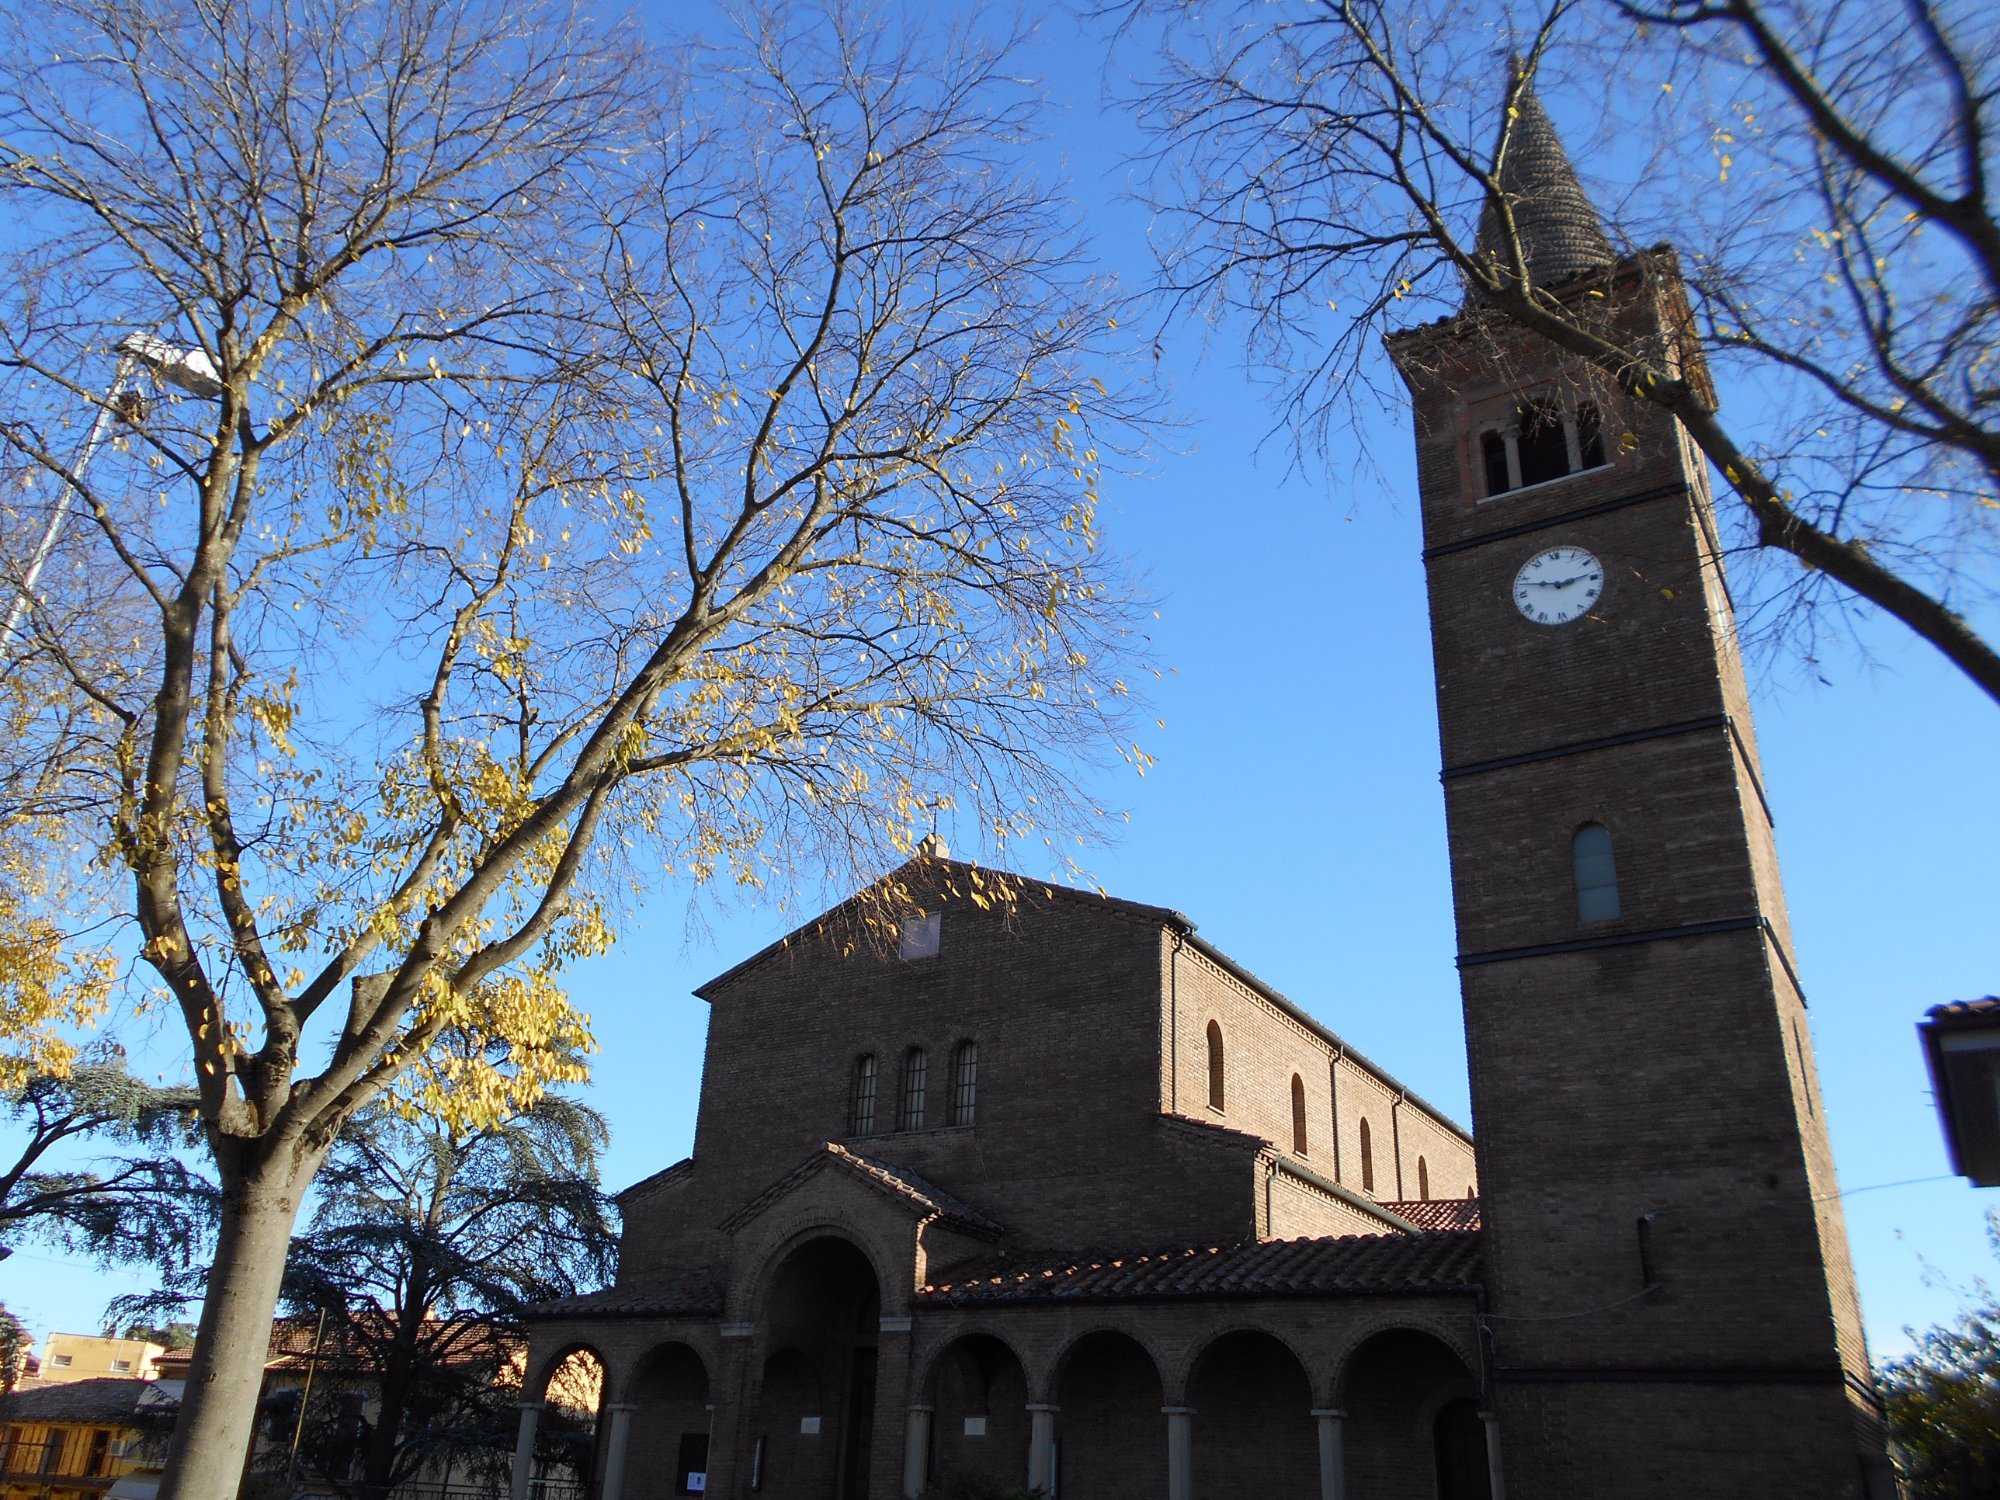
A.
pixel 1045 1192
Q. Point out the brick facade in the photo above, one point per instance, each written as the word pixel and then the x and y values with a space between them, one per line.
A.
pixel 1185 1244
pixel 1093 1144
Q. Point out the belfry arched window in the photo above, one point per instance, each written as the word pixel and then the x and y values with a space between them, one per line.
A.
pixel 1596 874
pixel 1216 1092
pixel 964 1082
pixel 1367 1158
pixel 861 1099
pixel 1423 1180
pixel 916 1078
pixel 1298 1115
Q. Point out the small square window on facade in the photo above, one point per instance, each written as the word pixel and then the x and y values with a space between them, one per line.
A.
pixel 121 1366
pixel 60 1361
pixel 920 935
pixel 1542 440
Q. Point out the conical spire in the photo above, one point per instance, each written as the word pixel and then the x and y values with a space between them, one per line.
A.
pixel 1561 235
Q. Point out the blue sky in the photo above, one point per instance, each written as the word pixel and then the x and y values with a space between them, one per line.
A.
pixel 1294 810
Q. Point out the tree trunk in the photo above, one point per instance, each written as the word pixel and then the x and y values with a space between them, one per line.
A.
pixel 218 1412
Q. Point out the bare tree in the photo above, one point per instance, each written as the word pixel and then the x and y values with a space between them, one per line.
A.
pixel 1346 167
pixel 554 489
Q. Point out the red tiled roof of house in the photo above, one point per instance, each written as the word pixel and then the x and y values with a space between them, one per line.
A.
pixel 1362 1264
pixel 1987 1009
pixel 1438 1213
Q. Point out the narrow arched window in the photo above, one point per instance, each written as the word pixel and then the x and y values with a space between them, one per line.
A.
pixel 916 1077
pixel 1298 1115
pixel 861 1101
pixel 1596 874
pixel 964 1082
pixel 1367 1158
pixel 1215 1072
pixel 1423 1180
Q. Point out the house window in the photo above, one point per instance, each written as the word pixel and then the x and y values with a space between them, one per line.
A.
pixel 1596 874
pixel 60 1361
pixel 1298 1115
pixel 964 1082
pixel 1367 1158
pixel 1423 1180
pixel 121 1367
pixel 1215 1075
pixel 916 1073
pixel 861 1107
pixel 920 934
pixel 100 1453
pixel 1545 439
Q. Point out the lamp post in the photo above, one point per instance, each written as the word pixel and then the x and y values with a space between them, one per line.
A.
pixel 189 370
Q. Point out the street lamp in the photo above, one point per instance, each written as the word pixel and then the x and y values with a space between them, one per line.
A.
pixel 189 370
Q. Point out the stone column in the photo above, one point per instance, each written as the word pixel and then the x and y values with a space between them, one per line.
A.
pixel 1180 1452
pixel 524 1449
pixel 1041 1444
pixel 1332 1453
pixel 614 1451
pixel 917 1452
pixel 1496 1481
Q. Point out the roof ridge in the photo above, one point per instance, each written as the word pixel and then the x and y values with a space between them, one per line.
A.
pixel 880 1175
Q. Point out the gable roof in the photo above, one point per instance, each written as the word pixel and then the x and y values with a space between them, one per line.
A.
pixel 935 870
pixel 1360 1264
pixel 905 1188
pixel 931 868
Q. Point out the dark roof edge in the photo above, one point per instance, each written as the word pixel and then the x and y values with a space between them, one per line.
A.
pixel 1348 1196
pixel 1295 1012
pixel 681 1169
pixel 708 989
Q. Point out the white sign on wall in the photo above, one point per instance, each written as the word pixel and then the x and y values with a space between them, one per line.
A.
pixel 975 1427
pixel 809 1425
pixel 697 1483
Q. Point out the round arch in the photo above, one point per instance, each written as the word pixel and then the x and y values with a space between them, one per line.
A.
pixel 574 1386
pixel 977 1389
pixel 668 1390
pixel 820 1301
pixel 1111 1439
pixel 1412 1409
pixel 1253 1428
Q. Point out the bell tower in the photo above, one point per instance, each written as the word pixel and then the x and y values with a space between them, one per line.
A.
pixel 1672 1311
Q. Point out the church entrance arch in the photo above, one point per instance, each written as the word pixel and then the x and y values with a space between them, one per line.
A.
pixel 566 1435
pixel 1254 1434
pixel 1111 1438
pixel 815 1412
pixel 1413 1425
pixel 667 1452
pixel 978 1395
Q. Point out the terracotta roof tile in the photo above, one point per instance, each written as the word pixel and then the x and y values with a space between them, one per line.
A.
pixel 1977 1011
pixel 1438 1213
pixel 696 1295
pixel 1328 1266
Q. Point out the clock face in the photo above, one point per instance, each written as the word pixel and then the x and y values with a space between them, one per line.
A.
pixel 1559 585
